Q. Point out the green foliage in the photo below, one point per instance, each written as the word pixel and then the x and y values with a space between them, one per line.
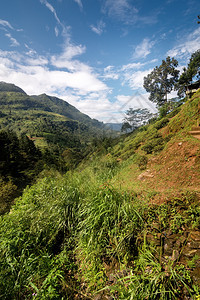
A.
pixel 152 279
pixel 8 87
pixel 50 118
pixel 135 118
pixel 161 123
pixel 110 223
pixel 191 72
pixel 64 237
pixel 142 162
pixel 36 229
pixel 155 143
pixel 161 81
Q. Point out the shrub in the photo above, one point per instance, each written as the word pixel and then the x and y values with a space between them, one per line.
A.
pixel 162 123
pixel 154 145
pixel 142 162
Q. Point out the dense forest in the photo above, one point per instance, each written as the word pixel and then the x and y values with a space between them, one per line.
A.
pixel 99 218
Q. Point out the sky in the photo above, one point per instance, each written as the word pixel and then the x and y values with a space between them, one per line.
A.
pixel 94 54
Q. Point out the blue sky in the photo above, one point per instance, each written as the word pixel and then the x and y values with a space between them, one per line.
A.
pixel 94 53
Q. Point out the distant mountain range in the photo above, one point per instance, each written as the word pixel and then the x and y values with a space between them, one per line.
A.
pixel 114 126
pixel 44 116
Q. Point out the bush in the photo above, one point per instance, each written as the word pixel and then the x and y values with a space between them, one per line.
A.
pixel 142 162
pixel 154 145
pixel 162 123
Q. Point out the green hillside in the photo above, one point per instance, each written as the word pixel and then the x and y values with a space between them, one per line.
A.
pixel 43 116
pixel 9 87
pixel 125 224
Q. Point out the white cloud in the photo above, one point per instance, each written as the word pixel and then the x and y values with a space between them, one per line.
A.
pixel 80 87
pixel 186 47
pixel 99 28
pixel 33 73
pixel 109 73
pixel 143 49
pixel 137 100
pixel 53 11
pixel 5 24
pixel 56 31
pixel 132 66
pixel 126 12
pixel 136 79
pixel 121 9
pixel 69 52
pixel 79 2
pixel 14 42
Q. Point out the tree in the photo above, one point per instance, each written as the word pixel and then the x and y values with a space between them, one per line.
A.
pixel 189 73
pixel 135 118
pixel 161 81
pixel 126 127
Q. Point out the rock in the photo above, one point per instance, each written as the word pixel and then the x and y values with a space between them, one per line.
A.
pixel 144 175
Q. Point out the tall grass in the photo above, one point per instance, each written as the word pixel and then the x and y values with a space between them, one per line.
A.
pixel 109 224
pixel 32 234
pixel 76 224
pixel 154 280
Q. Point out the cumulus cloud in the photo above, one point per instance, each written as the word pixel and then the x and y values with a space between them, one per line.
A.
pixel 79 86
pixel 34 73
pixel 186 47
pixel 99 29
pixel 143 49
pixel 135 79
pixel 64 60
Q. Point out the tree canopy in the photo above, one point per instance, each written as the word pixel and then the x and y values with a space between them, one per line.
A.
pixel 135 118
pixel 190 73
pixel 161 81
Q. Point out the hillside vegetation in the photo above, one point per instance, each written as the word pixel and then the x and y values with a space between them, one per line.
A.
pixel 53 119
pixel 125 224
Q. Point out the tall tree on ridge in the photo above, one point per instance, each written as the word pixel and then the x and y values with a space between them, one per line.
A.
pixel 161 81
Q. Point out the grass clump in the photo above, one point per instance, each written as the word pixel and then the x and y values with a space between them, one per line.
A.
pixel 152 279
pixel 110 223
pixel 32 239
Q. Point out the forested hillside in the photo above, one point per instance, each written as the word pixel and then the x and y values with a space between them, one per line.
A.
pixel 39 133
pixel 124 224
pixel 53 119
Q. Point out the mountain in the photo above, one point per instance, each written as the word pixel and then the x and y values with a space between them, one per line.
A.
pixel 50 118
pixel 9 87
pixel 114 126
